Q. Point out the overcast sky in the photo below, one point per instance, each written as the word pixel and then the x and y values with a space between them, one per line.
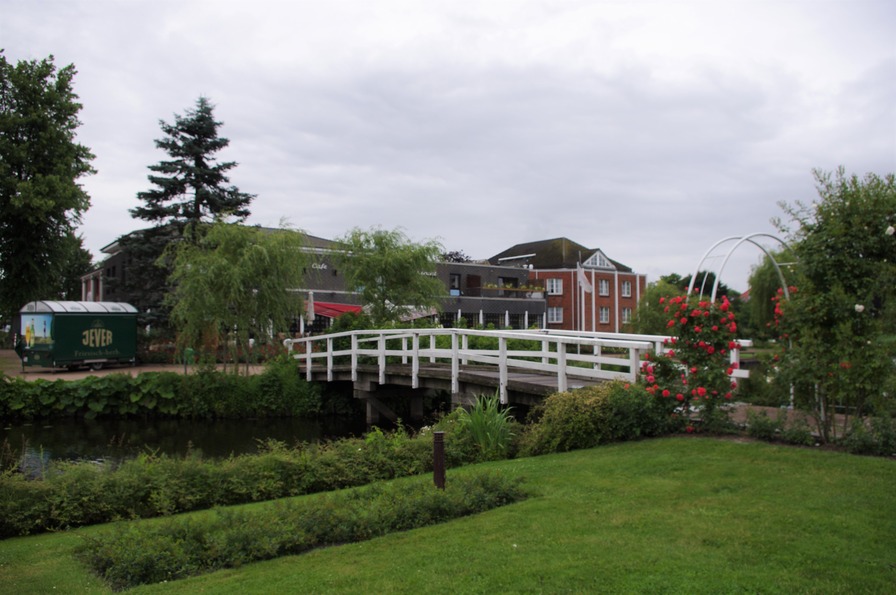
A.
pixel 650 130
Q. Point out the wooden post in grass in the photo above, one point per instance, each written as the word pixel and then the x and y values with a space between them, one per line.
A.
pixel 438 459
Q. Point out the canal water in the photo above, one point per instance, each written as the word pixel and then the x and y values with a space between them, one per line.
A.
pixel 40 442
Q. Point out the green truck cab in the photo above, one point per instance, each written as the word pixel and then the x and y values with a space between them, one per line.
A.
pixel 60 334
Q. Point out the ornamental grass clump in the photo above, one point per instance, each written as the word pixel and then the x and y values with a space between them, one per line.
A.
pixel 488 426
pixel 694 374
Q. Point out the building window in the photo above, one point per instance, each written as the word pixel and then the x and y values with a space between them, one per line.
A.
pixel 454 281
pixel 555 315
pixel 554 286
pixel 604 287
pixel 604 315
pixel 626 315
pixel 626 289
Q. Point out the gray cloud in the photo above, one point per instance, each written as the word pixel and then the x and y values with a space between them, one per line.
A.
pixel 647 130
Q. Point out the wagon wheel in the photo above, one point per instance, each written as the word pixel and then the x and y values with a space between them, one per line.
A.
pixel 97 366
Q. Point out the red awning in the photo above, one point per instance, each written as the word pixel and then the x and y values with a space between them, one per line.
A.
pixel 331 310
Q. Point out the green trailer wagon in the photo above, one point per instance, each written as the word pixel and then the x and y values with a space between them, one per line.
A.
pixel 59 334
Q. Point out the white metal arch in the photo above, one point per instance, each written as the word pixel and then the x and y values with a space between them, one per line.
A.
pixel 739 240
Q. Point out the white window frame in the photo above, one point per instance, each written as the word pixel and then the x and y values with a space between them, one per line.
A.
pixel 604 286
pixel 626 289
pixel 604 315
pixel 555 314
pixel 626 315
pixel 553 286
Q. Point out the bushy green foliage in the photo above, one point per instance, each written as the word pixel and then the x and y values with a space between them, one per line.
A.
pixel 846 306
pixel 73 494
pixel 278 391
pixel 587 417
pixel 762 427
pixel 135 554
pixel 876 438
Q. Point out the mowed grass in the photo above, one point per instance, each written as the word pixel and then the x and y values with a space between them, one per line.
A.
pixel 675 515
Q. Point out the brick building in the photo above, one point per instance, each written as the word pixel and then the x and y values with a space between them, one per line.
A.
pixel 477 292
pixel 584 289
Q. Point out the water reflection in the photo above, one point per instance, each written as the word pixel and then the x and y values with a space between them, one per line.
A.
pixel 40 443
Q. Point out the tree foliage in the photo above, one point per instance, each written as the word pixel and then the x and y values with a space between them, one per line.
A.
pixel 190 187
pixel 145 283
pixel 764 285
pixel 41 201
pixel 234 284
pixel 840 321
pixel 395 276
pixel 456 256
pixel 650 318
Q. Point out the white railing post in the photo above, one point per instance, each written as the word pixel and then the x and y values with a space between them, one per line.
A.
pixel 465 346
pixel 634 363
pixel 455 365
pixel 432 348
pixel 415 360
pixel 502 369
pixel 354 356
pixel 381 358
pixel 308 360
pixel 545 351
pixel 562 382
pixel 329 359
pixel 404 350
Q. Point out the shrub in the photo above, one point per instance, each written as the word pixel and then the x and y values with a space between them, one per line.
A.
pixel 762 427
pixel 587 417
pixel 74 494
pixel 877 438
pixel 278 391
pixel 136 554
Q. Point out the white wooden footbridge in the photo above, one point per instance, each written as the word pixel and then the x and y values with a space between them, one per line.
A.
pixel 522 366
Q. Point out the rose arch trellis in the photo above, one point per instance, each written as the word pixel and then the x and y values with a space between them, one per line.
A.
pixel 739 240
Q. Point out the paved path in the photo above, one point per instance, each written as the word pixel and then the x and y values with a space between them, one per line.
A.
pixel 11 365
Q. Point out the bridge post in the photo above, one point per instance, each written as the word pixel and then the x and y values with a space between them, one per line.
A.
pixel 455 365
pixel 329 359
pixel 354 357
pixel 562 383
pixel 415 360
pixel 308 361
pixel 381 358
pixel 502 370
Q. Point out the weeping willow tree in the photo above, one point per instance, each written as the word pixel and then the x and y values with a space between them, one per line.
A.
pixel 233 285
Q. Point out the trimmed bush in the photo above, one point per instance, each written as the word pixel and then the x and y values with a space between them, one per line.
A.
pixel 587 417
pixel 135 553
pixel 75 494
pixel 278 391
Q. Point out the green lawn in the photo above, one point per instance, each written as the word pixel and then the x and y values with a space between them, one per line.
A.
pixel 677 515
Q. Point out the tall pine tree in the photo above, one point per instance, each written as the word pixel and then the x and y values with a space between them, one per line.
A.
pixel 190 188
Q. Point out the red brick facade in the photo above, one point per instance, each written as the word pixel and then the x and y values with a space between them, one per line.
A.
pixel 584 289
pixel 609 305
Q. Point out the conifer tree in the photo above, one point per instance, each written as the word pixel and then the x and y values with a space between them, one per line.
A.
pixel 191 187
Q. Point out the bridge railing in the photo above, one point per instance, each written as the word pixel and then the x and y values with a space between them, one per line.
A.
pixel 567 356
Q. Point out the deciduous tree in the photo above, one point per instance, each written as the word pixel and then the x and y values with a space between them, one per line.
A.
pixel 233 284
pixel 41 201
pixel 841 319
pixel 394 275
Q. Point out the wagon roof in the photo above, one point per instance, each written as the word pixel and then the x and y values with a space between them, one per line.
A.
pixel 79 307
